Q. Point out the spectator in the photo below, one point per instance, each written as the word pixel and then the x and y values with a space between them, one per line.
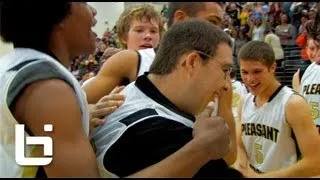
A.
pixel 91 63
pixel 274 41
pixel 84 78
pixel 274 13
pixel 286 31
pixel 272 22
pixel 108 53
pixel 297 12
pixel 257 27
pixel 240 39
pixel 243 15
pixel 232 10
pixel 304 20
pixel 99 50
pixel 286 8
pixel 312 14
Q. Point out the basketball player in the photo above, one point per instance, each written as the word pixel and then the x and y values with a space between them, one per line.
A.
pixel 313 55
pixel 192 67
pixel 38 89
pixel 310 82
pixel 126 66
pixel 312 29
pixel 139 27
pixel 276 134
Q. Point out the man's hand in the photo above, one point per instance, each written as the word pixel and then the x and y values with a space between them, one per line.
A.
pixel 105 106
pixel 212 134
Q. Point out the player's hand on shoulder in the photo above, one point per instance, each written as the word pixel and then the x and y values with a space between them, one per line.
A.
pixel 105 106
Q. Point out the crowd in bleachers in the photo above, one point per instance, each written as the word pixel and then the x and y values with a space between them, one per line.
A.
pixel 86 66
pixel 280 24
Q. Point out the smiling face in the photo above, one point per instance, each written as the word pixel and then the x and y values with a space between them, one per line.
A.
pixel 210 79
pixel 256 75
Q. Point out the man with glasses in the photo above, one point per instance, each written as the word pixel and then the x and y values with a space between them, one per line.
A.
pixel 126 66
pixel 192 66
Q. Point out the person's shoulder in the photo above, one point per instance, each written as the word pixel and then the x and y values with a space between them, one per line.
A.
pixel 127 53
pixel 296 100
pixel 120 61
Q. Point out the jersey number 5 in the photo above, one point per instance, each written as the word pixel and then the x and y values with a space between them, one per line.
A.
pixel 258 153
pixel 314 109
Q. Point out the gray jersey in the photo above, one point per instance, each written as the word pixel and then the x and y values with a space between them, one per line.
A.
pixel 17 70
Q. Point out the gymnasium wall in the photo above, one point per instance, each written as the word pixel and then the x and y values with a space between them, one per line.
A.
pixel 106 11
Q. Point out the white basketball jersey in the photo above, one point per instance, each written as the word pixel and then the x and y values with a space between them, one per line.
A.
pixel 146 58
pixel 310 89
pixel 268 139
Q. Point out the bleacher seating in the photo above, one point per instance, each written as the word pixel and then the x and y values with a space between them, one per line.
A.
pixel 292 62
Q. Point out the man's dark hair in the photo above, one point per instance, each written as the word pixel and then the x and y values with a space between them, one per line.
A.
pixel 257 51
pixel 27 24
pixel 190 8
pixel 184 37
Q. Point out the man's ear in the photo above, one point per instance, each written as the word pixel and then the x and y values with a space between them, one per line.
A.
pixel 179 16
pixel 190 63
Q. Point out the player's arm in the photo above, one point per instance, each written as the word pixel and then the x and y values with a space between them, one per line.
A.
pixel 54 102
pixel 296 81
pixel 118 67
pixel 298 115
pixel 225 111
